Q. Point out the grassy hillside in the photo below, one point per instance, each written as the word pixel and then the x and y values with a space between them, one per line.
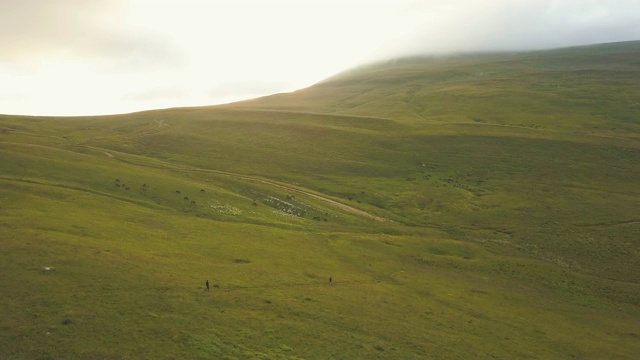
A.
pixel 586 90
pixel 465 207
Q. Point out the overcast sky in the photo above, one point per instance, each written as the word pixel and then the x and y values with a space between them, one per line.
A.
pixel 86 57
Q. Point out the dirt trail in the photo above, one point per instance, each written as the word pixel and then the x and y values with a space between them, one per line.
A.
pixel 298 190
pixel 274 183
pixel 335 203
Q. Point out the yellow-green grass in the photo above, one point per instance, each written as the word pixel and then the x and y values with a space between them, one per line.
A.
pixel 459 217
pixel 128 281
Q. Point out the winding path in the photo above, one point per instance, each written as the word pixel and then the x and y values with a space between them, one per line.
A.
pixel 161 164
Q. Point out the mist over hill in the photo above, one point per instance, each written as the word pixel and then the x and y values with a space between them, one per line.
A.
pixel 598 83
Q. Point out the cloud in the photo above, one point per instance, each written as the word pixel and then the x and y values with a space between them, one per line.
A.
pixel 29 29
pixel 94 31
pixel 153 94
pixel 122 51
pixel 245 88
pixel 499 25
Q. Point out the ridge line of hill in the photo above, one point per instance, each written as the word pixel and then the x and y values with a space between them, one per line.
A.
pixel 284 111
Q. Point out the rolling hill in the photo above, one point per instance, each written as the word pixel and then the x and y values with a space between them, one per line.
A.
pixel 467 206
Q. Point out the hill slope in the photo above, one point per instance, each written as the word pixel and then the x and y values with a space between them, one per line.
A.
pixel 531 136
pixel 589 89
pixel 470 206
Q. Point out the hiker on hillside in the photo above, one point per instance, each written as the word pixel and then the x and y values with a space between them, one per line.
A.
pixel 330 280
pixel 207 284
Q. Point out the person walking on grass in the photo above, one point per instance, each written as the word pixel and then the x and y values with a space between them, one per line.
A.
pixel 330 280
pixel 207 284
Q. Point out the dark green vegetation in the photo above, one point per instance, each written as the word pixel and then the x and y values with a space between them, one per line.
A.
pixel 467 207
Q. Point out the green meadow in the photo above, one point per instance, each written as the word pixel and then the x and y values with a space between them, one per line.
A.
pixel 467 206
